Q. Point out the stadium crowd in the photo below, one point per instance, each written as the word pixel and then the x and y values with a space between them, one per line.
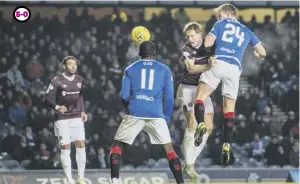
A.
pixel 31 56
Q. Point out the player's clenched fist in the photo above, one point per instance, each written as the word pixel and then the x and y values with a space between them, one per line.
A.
pixel 61 109
pixel 212 61
pixel 84 117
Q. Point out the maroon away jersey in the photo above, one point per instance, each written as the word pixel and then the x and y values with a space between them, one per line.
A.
pixel 63 91
pixel 201 57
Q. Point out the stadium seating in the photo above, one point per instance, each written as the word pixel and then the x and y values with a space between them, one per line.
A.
pixel 30 58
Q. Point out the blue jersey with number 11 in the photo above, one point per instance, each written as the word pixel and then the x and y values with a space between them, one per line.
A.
pixel 148 89
pixel 232 39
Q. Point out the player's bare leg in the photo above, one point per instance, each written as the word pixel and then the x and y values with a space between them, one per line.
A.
pixel 81 160
pixel 208 121
pixel 174 163
pixel 203 92
pixel 229 118
pixel 188 146
pixel 115 161
pixel 66 163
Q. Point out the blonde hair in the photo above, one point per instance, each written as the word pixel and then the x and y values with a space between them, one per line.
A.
pixel 192 26
pixel 229 8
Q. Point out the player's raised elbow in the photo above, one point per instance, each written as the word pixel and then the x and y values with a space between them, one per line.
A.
pixel 209 41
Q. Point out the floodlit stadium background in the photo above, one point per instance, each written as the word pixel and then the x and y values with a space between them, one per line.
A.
pixel 97 33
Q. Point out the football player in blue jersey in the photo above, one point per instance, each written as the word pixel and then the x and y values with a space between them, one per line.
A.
pixel 148 95
pixel 231 39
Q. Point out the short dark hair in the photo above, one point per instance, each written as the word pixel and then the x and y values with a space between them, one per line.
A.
pixel 226 8
pixel 64 61
pixel 147 49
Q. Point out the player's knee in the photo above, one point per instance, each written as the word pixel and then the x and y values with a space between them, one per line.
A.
pixel 228 105
pixel 80 144
pixel 203 91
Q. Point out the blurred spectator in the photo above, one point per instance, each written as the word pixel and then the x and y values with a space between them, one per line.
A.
pixel 12 141
pixel 42 158
pixel 275 154
pixel 102 158
pixel 30 139
pixel 17 115
pixel 261 103
pixel 31 57
pixel 245 105
pixel 15 76
pixel 92 160
pixel 241 133
pixel 294 155
pixel 257 145
pixel 291 126
pixel 34 70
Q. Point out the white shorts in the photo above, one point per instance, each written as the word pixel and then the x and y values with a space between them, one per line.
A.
pixel 229 74
pixel 130 127
pixel 69 130
pixel 187 95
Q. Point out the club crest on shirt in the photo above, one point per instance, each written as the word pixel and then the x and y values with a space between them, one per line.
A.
pixel 64 86
pixel 79 85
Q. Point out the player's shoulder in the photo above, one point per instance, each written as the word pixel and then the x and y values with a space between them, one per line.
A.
pixel 163 67
pixel 132 65
pixel 57 78
pixel 221 22
pixel 79 77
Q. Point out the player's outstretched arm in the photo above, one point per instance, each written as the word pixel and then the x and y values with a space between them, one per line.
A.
pixel 168 95
pixel 125 90
pixel 209 41
pixel 195 69
pixel 260 51
pixel 211 37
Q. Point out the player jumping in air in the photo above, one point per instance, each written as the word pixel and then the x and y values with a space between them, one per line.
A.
pixel 231 39
pixel 196 60
pixel 147 94
pixel 64 94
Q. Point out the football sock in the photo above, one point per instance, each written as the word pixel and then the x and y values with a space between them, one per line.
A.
pixel 175 167
pixel 66 163
pixel 115 161
pixel 198 149
pixel 188 146
pixel 199 111
pixel 228 123
pixel 81 161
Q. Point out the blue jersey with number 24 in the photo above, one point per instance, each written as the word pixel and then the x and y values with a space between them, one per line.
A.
pixel 232 39
pixel 148 87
